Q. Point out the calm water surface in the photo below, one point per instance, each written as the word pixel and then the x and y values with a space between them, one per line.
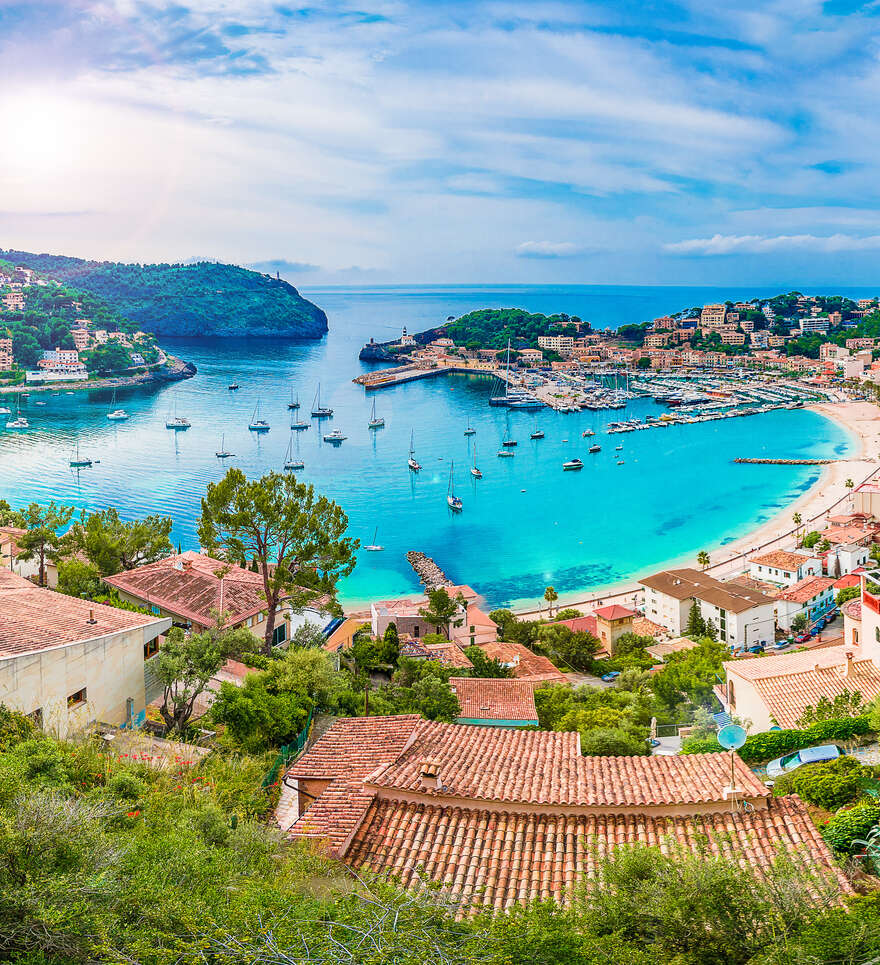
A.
pixel 525 524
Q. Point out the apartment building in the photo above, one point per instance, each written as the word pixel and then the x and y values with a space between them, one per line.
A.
pixel 563 344
pixel 713 316
pixel 6 359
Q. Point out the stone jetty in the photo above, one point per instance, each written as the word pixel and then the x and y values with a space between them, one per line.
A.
pixel 428 572
pixel 787 462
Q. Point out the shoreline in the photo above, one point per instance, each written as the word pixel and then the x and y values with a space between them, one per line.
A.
pixel 172 369
pixel 861 420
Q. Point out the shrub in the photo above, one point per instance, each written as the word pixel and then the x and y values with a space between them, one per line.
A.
pixel 125 786
pixel 14 728
pixel 613 742
pixel 700 745
pixel 774 743
pixel 846 826
pixel 829 786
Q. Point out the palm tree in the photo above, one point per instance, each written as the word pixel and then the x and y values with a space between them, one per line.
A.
pixel 797 519
pixel 703 558
pixel 551 596
pixel 849 484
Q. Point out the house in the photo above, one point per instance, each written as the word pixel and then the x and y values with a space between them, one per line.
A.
pixel 846 558
pixel 524 664
pixel 742 615
pixel 470 626
pixel 663 649
pixel 612 622
pixel 501 817
pixel 784 568
pixel 495 702
pixel 67 662
pixel 193 588
pixel 852 624
pixel 449 654
pixel 811 597
pixel 6 359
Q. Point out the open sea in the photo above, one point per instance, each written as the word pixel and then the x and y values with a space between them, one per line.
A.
pixel 525 524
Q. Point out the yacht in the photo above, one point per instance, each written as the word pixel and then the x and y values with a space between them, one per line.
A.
pixel 572 464
pixel 117 415
pixel 292 462
pixel 474 471
pixel 452 501
pixel 376 422
pixel 294 401
pixel 505 454
pixel 507 442
pixel 470 430
pixel 412 462
pixel 335 436
pixel 232 386
pixel 79 462
pixel 595 449
pixel 5 410
pixel 258 423
pixel 223 452
pixel 320 411
pixel 374 547
pixel 536 432
pixel 176 421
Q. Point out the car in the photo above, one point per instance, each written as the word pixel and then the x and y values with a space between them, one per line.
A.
pixel 782 644
pixel 756 648
pixel 806 755
pixel 802 638
pixel 821 624
pixel 611 675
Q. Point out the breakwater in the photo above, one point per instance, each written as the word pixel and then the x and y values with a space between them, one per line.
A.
pixel 428 572
pixel 787 462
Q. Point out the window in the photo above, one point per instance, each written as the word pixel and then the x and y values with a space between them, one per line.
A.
pixel 75 700
pixel 416 632
pixel 279 634
pixel 151 648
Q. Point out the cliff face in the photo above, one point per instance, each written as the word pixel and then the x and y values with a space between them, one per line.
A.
pixel 200 300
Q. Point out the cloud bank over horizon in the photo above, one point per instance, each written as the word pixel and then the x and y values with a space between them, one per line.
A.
pixel 494 141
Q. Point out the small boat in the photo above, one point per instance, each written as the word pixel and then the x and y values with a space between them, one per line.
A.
pixel 374 547
pixel 117 415
pixel 79 462
pixel 470 430
pixel 452 501
pixel 232 386
pixel 376 422
pixel 505 454
pixel 223 452
pixel 618 448
pixel 619 462
pixel 572 464
pixel 294 401
pixel 507 442
pixel 335 436
pixel 320 411
pixel 474 471
pixel 258 423
pixel 5 410
pixel 176 421
pixel 412 462
pixel 536 432
pixel 19 422
pixel 587 433
pixel 595 449
pixel 292 462
pixel 299 426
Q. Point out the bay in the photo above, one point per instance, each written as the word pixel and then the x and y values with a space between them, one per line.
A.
pixel 525 524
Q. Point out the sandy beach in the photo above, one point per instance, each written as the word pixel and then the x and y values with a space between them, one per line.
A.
pixel 861 419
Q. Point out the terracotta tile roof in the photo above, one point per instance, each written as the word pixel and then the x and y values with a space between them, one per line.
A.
pixel 757 668
pixel 187 586
pixel 614 612
pixel 750 583
pixel 852 609
pixel 495 698
pixel 495 859
pixel 525 664
pixel 34 618
pixel 805 589
pixel 408 647
pixel 661 650
pixel 449 655
pixel 687 583
pixel 851 579
pixel 781 560
pixel 647 628
pixel 356 745
pixel 585 624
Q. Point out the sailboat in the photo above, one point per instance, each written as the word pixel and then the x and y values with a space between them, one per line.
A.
pixel 292 462
pixel 258 423
pixel 454 502
pixel 374 547
pixel 536 432
pixel 177 421
pixel 19 422
pixel 470 430
pixel 507 442
pixel 412 462
pixel 114 413
pixel 376 423
pixel 320 411
pixel 474 471
pixel 223 452
pixel 79 462
pixel 294 402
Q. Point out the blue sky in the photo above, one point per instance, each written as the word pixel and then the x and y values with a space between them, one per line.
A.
pixel 375 141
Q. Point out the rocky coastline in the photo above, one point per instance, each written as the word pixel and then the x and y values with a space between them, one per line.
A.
pixel 174 370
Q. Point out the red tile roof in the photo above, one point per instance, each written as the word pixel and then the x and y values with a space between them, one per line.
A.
pixel 852 609
pixel 851 579
pixel 805 589
pixel 187 585
pixel 781 560
pixel 585 624
pixel 614 612
pixel 496 859
pixel 524 664
pixel 495 698
pixel 34 619
pixel 449 655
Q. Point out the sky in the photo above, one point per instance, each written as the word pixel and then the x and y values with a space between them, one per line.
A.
pixel 382 142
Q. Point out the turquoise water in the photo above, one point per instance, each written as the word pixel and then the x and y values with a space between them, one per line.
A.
pixel 525 524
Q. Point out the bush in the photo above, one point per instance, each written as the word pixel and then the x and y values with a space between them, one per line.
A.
pixel 700 745
pixel 612 742
pixel 759 748
pixel 846 826
pixel 829 786
pixel 126 786
pixel 14 728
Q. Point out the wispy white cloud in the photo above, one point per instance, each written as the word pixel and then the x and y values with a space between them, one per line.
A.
pixel 762 244
pixel 548 249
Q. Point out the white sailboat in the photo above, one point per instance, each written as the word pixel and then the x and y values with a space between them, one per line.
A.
pixel 470 430
pixel 454 502
pixel 376 423
pixel 223 452
pixel 374 547
pixel 474 471
pixel 536 432
pixel 320 411
pixel 19 422
pixel 258 423
pixel 79 462
pixel 176 421
pixel 412 462
pixel 294 402
pixel 117 415
pixel 291 462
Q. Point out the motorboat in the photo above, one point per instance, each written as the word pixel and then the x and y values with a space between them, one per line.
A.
pixel 572 464
pixel 335 436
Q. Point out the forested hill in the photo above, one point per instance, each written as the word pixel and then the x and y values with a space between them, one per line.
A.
pixel 188 300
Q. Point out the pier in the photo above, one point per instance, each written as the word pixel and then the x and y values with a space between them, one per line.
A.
pixel 428 572
pixel 787 462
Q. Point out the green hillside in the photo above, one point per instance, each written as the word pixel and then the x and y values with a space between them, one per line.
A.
pixel 203 299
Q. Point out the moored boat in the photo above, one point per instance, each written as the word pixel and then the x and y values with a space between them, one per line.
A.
pixel 572 464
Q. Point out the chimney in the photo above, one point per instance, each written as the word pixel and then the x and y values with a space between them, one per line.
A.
pixel 91 620
pixel 430 775
pixel 848 667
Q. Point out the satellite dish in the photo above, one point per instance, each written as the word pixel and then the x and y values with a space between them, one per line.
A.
pixel 732 736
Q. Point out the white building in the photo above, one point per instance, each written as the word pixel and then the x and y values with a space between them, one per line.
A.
pixel 563 344
pixel 784 568
pixel 743 616
pixel 67 662
pixel 845 558
pixel 812 597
